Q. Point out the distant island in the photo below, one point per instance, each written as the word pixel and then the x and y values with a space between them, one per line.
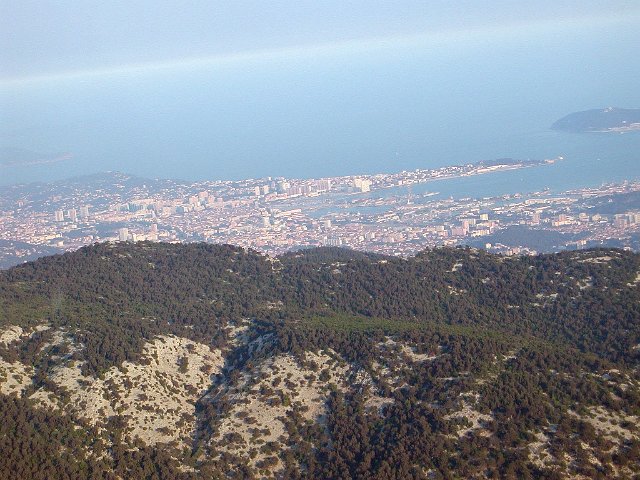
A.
pixel 618 120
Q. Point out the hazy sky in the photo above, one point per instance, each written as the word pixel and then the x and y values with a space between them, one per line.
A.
pixel 44 38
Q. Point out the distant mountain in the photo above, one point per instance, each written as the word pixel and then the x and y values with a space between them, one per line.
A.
pixel 600 120
pixel 540 240
pixel 124 184
pixel 10 157
pixel 169 361
pixel 28 252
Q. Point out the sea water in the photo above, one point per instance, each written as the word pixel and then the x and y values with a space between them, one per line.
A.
pixel 383 109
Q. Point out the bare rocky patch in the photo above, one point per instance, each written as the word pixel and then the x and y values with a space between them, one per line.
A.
pixel 596 260
pixel 254 427
pixel 155 397
pixel 614 426
pixel 475 420
pixel 15 377
pixel 539 451
pixel 11 334
pixel 15 333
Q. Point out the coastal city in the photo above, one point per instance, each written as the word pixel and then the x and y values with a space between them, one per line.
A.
pixel 382 213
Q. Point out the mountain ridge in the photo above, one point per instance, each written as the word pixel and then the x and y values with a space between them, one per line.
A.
pixel 203 360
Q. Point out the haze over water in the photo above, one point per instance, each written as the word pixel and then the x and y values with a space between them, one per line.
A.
pixel 383 106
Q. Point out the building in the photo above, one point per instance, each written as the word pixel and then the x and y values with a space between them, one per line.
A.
pixel 362 184
pixel 535 218
pixel 123 234
pixel 283 186
pixel 333 242
pixel 323 185
pixel 59 216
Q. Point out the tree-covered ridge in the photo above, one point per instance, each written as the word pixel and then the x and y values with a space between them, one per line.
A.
pixel 337 364
pixel 588 299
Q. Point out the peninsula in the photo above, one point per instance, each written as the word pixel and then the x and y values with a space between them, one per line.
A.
pixel 607 120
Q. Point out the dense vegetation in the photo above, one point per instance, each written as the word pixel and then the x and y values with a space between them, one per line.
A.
pixel 556 335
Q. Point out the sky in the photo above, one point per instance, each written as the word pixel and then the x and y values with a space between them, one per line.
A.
pixel 48 40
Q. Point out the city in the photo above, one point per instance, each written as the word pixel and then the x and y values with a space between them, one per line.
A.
pixel 378 213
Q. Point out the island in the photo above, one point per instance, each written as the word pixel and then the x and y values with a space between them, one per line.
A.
pixel 607 120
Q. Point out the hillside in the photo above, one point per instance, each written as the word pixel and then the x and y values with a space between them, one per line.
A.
pixel 600 120
pixel 210 361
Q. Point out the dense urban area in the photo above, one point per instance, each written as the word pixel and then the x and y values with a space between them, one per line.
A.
pixel 379 213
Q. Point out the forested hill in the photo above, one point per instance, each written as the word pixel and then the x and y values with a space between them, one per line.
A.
pixel 182 361
pixel 587 299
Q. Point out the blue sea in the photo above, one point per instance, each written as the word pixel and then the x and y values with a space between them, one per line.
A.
pixel 379 110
